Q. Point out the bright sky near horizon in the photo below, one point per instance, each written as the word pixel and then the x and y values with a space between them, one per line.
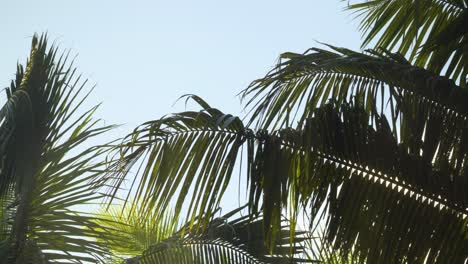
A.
pixel 143 55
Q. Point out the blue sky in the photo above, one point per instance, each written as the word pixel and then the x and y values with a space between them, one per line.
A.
pixel 143 55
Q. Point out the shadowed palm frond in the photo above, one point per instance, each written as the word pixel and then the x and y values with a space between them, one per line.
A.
pixel 427 112
pixel 44 175
pixel 432 33
pixel 226 239
pixel 133 234
pixel 319 249
pixel 374 196
pixel 193 251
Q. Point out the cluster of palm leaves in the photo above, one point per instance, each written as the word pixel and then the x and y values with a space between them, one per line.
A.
pixel 48 177
pixel 371 146
pixel 230 238
pixel 42 179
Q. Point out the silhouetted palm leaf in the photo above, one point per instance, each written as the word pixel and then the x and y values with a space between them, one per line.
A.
pixel 305 81
pixel 375 197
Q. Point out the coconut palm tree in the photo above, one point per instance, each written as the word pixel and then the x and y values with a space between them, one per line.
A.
pixel 44 172
pixel 373 144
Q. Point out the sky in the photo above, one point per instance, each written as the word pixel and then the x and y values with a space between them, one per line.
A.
pixel 143 55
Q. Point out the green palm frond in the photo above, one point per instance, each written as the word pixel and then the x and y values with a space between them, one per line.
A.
pixel 305 81
pixel 185 150
pixel 42 167
pixel 226 240
pixel 205 251
pixel 132 233
pixel 431 32
pixel 320 250
pixel 374 196
pixel 427 112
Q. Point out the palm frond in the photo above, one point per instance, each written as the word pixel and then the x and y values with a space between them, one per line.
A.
pixel 238 240
pixel 186 150
pixel 41 167
pixel 339 157
pixel 205 251
pixel 303 82
pixel 431 32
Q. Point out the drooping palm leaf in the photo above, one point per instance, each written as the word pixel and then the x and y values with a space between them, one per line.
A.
pixel 187 150
pixel 226 240
pixel 431 32
pixel 132 233
pixel 375 183
pixel 305 81
pixel 376 196
pixel 42 167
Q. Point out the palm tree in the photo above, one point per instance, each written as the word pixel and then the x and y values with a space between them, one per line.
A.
pixel 373 144
pixel 44 172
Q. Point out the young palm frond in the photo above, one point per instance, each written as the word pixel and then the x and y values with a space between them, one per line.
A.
pixel 432 33
pixel 227 239
pixel 312 167
pixel 133 233
pixel 43 175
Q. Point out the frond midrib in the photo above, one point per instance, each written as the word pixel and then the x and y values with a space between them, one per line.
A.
pixel 350 165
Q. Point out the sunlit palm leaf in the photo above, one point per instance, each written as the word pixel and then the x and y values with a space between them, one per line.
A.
pixel 375 197
pixel 204 251
pixel 388 191
pixel 432 33
pixel 225 240
pixel 187 150
pixel 133 234
pixel 319 249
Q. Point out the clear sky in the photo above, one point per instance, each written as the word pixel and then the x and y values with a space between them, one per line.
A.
pixel 143 55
